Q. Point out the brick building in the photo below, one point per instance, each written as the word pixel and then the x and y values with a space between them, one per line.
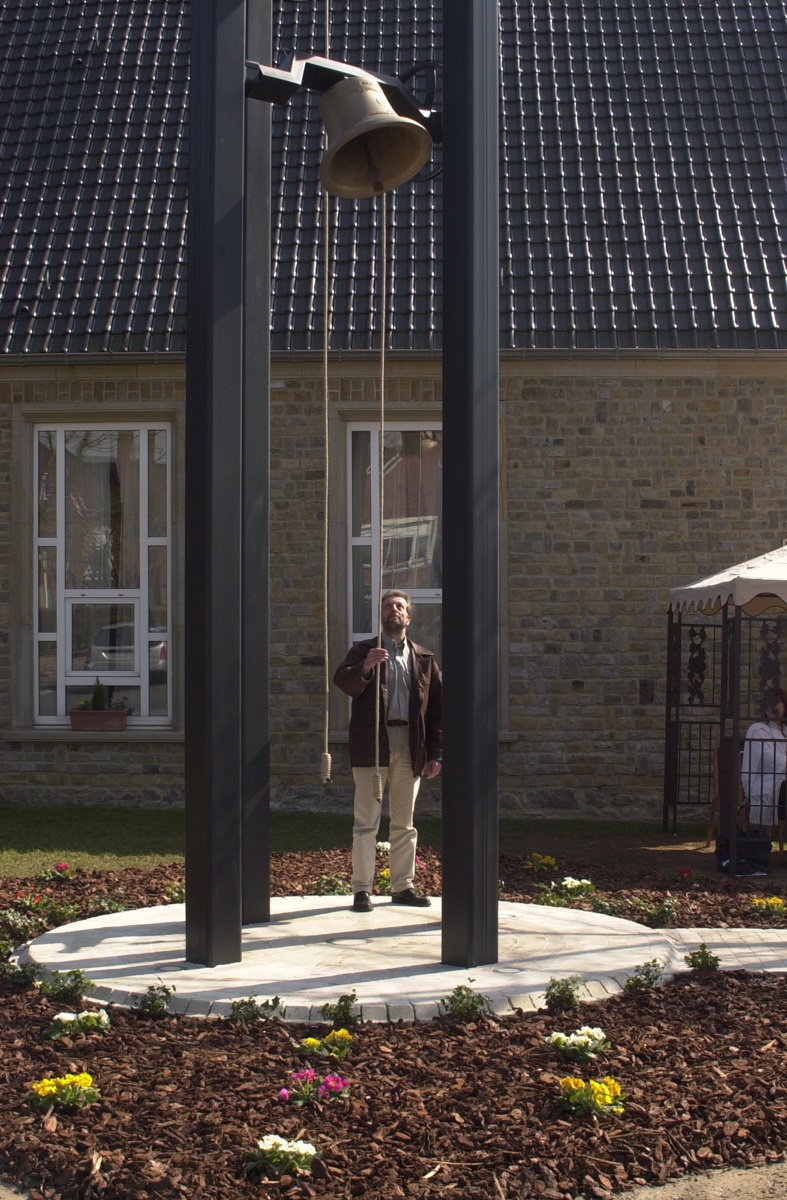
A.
pixel 643 382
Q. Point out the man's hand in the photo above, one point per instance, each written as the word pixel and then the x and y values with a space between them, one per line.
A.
pixel 433 767
pixel 376 655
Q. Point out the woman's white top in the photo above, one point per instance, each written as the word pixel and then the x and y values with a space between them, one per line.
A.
pixel 764 769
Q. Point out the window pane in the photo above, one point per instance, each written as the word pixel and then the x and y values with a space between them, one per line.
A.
pixel 157 670
pixel 47 679
pixel 361 520
pixel 157 588
pixel 157 483
pixel 47 589
pixel 47 484
pixel 362 589
pixel 103 638
pixel 128 697
pixel 102 509
pixel 426 628
pixel 412 531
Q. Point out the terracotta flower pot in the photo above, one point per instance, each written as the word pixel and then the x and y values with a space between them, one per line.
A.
pixel 108 720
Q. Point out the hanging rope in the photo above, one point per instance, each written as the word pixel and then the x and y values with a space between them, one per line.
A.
pixel 325 766
pixel 326 757
pixel 377 779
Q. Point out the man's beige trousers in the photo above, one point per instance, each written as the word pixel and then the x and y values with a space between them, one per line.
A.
pixel 402 791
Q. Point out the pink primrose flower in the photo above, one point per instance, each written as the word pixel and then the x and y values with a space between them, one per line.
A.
pixel 306 1076
pixel 284 1095
pixel 331 1085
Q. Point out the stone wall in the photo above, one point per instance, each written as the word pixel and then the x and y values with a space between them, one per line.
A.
pixel 96 769
pixel 623 478
pixel 622 475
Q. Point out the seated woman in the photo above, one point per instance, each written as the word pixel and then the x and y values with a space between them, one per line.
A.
pixel 764 765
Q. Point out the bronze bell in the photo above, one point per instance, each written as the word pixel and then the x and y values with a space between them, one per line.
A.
pixel 371 149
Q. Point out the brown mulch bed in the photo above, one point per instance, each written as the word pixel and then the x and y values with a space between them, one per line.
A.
pixel 445 1108
pixel 712 901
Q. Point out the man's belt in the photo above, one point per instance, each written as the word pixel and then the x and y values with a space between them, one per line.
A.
pixel 397 723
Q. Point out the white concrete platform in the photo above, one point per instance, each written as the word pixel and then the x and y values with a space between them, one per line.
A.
pixel 315 949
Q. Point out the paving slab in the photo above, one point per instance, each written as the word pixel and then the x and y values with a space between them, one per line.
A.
pixel 315 948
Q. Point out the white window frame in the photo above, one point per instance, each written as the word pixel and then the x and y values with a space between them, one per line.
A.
pixel 136 597
pixel 417 595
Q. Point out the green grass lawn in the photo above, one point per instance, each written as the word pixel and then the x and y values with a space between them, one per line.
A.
pixel 32 839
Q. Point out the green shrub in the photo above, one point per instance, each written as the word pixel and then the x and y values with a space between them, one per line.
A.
pixel 645 976
pixel 655 916
pixel 332 885
pixel 463 1002
pixel 562 995
pixel 609 908
pixel 53 913
pixel 246 1012
pixel 107 904
pixel 341 1013
pixel 66 987
pixel 20 927
pixel 155 1001
pixel 24 975
pixel 702 959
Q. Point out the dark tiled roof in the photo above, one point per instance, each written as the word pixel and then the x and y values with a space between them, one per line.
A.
pixel 643 192
pixel 93 152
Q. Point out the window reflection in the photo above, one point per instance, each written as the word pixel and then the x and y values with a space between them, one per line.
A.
pixel 157 483
pixel 47 484
pixel 412 500
pixel 102 513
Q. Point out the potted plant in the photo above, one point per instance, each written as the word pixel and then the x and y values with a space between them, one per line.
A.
pixel 95 716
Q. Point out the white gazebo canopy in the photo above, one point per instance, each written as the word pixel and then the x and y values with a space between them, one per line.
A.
pixel 753 586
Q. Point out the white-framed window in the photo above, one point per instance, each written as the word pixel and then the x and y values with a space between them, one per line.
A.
pixel 412 529
pixel 102 568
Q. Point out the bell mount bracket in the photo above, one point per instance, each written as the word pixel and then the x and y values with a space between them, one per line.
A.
pixel 277 85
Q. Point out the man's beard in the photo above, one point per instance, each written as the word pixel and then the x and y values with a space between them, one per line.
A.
pixel 394 624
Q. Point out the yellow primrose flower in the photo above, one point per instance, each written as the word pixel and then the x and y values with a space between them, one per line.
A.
pixel 311 1043
pixel 45 1087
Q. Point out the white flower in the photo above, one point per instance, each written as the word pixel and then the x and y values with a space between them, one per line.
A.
pixel 65 1018
pixel 272 1141
pixel 585 1042
pixel 302 1148
pixel 383 847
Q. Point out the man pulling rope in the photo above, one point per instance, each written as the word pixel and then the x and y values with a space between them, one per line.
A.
pixel 408 745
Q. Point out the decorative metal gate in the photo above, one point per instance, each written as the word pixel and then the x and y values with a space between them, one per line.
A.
pixel 718 668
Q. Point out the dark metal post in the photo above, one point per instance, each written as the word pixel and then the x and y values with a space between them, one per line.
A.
pixel 255 713
pixel 729 744
pixel 672 731
pixel 214 474
pixel 470 482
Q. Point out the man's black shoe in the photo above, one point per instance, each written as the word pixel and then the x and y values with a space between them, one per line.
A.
pixel 362 902
pixel 410 897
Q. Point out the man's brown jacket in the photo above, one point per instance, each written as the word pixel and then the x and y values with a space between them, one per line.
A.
pixel 425 714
